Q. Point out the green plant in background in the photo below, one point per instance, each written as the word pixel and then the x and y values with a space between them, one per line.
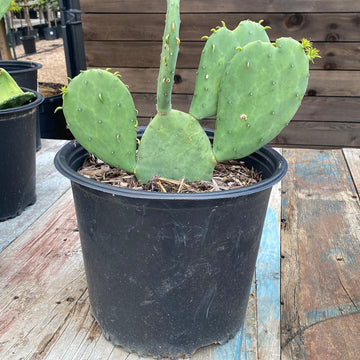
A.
pixel 254 88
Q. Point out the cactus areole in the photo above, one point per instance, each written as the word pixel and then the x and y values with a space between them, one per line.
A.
pixel 252 86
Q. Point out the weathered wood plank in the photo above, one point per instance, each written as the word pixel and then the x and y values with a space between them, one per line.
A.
pixel 320 134
pixel 50 185
pixel 313 108
pixel 321 83
pixel 320 250
pixel 268 282
pixel 306 134
pixel 213 6
pixel 315 26
pixel 142 54
pixel 352 157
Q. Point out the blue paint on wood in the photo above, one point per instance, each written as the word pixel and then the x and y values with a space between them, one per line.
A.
pixel 268 287
pixel 234 349
pixel 268 300
pixel 326 313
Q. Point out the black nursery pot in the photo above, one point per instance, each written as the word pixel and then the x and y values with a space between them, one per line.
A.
pixel 50 33
pixel 53 124
pixel 29 44
pixel 18 157
pixel 169 273
pixel 25 75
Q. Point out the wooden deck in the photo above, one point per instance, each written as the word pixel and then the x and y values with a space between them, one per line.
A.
pixel 305 300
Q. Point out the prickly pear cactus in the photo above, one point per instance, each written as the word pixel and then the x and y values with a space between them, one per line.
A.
pixel 252 86
pixel 175 146
pixel 174 141
pixel 100 113
pixel 219 49
pixel 259 102
pixel 11 94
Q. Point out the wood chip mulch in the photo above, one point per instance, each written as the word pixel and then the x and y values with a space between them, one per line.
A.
pixel 227 175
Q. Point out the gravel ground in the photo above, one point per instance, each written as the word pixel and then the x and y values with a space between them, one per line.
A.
pixel 50 54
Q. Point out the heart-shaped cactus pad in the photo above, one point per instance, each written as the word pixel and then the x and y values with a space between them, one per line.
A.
pixel 101 115
pixel 175 146
pixel 260 92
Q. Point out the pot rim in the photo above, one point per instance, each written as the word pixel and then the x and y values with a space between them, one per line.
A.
pixel 39 99
pixel 66 158
pixel 28 65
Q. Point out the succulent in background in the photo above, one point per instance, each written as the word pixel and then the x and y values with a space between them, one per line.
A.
pixel 252 86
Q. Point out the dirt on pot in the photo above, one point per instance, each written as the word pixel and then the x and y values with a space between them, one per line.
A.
pixel 227 175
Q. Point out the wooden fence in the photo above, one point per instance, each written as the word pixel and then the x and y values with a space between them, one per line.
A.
pixel 126 36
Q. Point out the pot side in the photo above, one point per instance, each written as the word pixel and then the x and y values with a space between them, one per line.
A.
pixel 18 158
pixel 169 273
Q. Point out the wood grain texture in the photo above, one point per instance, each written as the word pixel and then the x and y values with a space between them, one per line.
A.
pixel 313 108
pixel 140 54
pixel 321 83
pixel 352 157
pixel 50 186
pixel 320 134
pixel 320 249
pixel 213 6
pixel 315 26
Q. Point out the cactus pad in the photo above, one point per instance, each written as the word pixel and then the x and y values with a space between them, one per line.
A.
pixel 175 146
pixel 219 49
pixel 101 115
pixel 259 102
pixel 11 94
pixel 4 6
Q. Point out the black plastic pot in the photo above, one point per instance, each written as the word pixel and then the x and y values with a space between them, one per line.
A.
pixel 169 273
pixel 25 74
pixel 17 160
pixel 29 44
pixel 50 33
pixel 53 125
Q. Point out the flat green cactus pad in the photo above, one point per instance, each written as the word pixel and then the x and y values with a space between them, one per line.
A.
pixel 17 100
pixel 4 6
pixel 11 94
pixel 100 113
pixel 259 94
pixel 218 51
pixel 175 146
